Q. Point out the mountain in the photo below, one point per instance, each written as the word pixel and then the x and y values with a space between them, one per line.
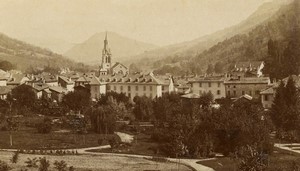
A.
pixel 122 48
pixel 186 50
pixel 24 55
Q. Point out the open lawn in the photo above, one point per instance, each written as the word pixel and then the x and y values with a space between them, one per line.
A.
pixel 98 163
pixel 28 138
pixel 142 146
pixel 280 160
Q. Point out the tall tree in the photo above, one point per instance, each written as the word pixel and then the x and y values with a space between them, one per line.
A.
pixel 143 108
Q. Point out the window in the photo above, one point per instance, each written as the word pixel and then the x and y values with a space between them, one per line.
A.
pixel 200 84
pixel 234 93
pixel 129 88
pixel 250 93
pixel 163 88
pixel 219 84
pixel 209 84
pixel 243 92
pixel 233 86
pixel 121 88
pixel 228 93
pixel 129 95
pixel 108 87
pixel 137 88
pixel 150 88
pixel 144 88
pixel 191 84
pixel 115 88
pixel 218 92
pixel 266 98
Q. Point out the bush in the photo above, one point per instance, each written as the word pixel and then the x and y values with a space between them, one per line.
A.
pixel 44 164
pixel 15 157
pixel 4 166
pixel 71 168
pixel 31 162
pixel 60 165
pixel 114 142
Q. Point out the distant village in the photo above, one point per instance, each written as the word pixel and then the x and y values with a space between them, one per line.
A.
pixel 246 81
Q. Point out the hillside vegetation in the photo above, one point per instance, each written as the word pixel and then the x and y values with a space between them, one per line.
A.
pixel 245 41
pixel 23 55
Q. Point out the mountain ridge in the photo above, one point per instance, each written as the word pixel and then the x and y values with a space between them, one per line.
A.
pixel 122 48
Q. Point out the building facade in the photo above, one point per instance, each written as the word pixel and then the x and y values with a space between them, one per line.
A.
pixel 214 85
pixel 134 85
pixel 251 86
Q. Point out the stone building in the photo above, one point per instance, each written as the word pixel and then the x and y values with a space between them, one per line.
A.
pixel 247 85
pixel 133 85
pixel 215 85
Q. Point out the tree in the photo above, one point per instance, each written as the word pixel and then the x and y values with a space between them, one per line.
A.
pixel 24 96
pixel 45 127
pixel 210 69
pixel 219 67
pixel 4 166
pixel 6 65
pixel 285 112
pixel 103 119
pixel 77 100
pixel 143 108
pixel 15 157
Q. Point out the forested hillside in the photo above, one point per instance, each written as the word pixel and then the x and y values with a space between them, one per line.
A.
pixel 23 55
pixel 252 45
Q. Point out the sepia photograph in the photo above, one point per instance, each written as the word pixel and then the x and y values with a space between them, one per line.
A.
pixel 150 85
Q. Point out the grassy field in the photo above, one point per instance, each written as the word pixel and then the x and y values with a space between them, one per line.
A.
pixel 280 160
pixel 98 163
pixel 142 146
pixel 28 138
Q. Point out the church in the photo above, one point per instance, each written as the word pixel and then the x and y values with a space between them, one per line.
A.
pixel 106 66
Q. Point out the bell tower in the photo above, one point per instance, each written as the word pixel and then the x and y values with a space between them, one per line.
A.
pixel 106 56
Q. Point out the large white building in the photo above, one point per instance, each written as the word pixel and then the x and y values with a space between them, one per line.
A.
pixel 214 85
pixel 133 85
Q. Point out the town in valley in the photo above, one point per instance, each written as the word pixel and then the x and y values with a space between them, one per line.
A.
pixel 227 101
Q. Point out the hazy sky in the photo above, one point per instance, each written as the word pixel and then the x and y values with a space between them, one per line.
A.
pixel 160 22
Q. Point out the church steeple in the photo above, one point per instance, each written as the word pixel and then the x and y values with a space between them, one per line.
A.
pixel 105 42
pixel 106 56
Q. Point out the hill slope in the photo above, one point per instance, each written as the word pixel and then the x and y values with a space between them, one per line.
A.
pixel 24 55
pixel 186 50
pixel 122 48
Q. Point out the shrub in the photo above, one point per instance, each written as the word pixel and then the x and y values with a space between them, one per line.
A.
pixel 44 164
pixel 60 165
pixel 4 166
pixel 15 157
pixel 114 142
pixel 31 162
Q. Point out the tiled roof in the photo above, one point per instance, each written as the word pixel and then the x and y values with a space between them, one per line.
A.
pixel 249 80
pixel 67 80
pixel 131 78
pixel 58 89
pixel 269 90
pixel 253 64
pixel 118 63
pixel 40 87
pixel 207 79
pixel 16 79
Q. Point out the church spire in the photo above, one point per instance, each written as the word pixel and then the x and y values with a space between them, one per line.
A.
pixel 105 42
